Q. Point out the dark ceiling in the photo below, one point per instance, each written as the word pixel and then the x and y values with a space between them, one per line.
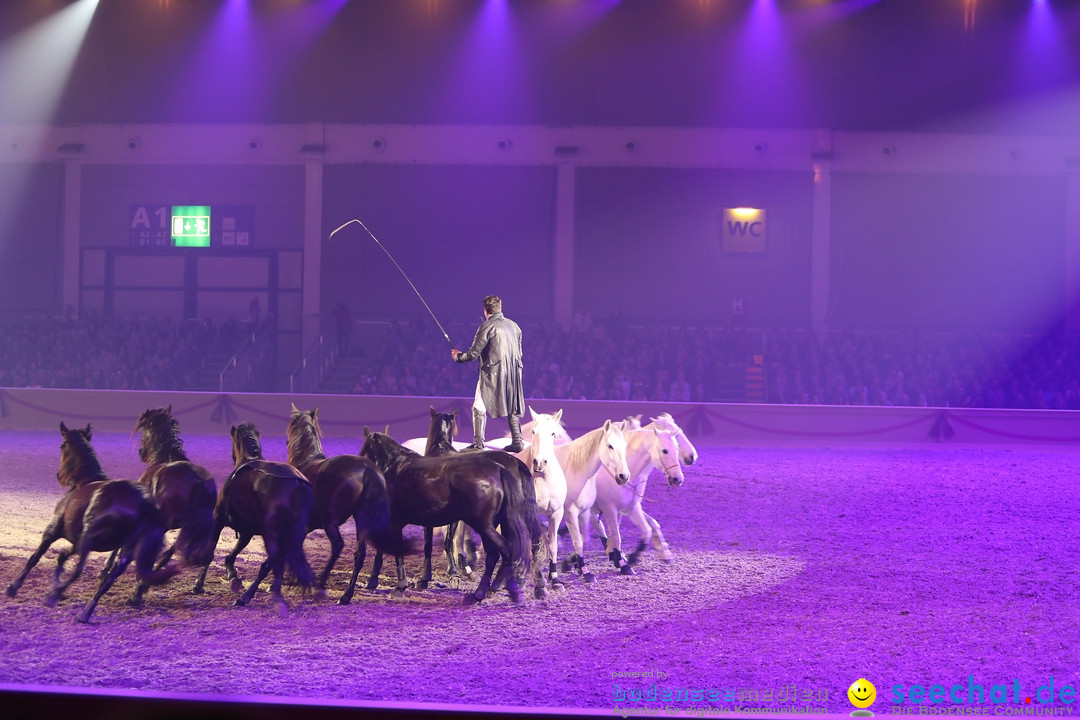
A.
pixel 1007 66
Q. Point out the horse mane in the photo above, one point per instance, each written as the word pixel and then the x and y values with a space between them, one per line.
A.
pixel 246 435
pixel 161 440
pixel 303 438
pixel 442 441
pixel 80 464
pixel 584 449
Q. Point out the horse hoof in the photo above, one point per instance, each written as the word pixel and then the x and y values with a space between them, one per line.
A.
pixel 82 618
pixel 470 599
pixel 397 592
pixel 344 600
pixel 564 566
pixel 589 577
pixel 454 582
pixel 282 609
pixel 558 585
pixel 236 585
pixel 197 590
pixel 11 590
pixel 515 596
pixel 540 593
pixel 627 570
pixel 669 559
pixel 133 601
pixel 421 584
pixel 240 602
pixel 51 600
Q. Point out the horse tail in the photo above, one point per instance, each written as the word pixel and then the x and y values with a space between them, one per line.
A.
pixel 290 524
pixel 373 517
pixel 146 542
pixel 197 540
pixel 515 528
pixel 528 491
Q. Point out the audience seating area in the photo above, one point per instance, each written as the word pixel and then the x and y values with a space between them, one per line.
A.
pixel 609 360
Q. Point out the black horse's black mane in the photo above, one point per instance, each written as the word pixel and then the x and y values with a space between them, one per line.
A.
pixel 246 440
pixel 161 440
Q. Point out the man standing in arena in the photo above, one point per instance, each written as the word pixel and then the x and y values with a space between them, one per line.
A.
pixel 498 390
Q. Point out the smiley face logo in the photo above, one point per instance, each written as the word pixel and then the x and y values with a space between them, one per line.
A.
pixel 862 693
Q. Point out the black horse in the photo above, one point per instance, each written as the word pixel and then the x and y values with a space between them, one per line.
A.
pixel 440 441
pixel 430 491
pixel 98 515
pixel 345 486
pixel 184 492
pixel 270 499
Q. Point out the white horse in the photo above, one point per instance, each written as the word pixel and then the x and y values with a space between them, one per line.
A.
pixel 550 483
pixel 646 448
pixel 688 453
pixel 599 450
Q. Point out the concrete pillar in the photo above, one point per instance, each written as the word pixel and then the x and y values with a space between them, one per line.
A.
pixel 311 298
pixel 563 290
pixel 820 235
pixel 1072 248
pixel 70 280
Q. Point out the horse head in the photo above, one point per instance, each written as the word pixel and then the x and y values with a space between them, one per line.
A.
pixel 546 430
pixel 688 453
pixel 245 443
pixel 78 462
pixel 160 435
pixel 442 430
pixel 664 453
pixel 613 452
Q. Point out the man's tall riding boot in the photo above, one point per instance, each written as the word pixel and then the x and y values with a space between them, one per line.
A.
pixel 516 443
pixel 479 420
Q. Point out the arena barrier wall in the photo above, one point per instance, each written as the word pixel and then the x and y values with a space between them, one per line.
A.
pixel 733 424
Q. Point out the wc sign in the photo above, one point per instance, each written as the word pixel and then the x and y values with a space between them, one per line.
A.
pixel 743 230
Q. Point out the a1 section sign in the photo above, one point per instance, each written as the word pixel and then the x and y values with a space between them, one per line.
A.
pixel 189 226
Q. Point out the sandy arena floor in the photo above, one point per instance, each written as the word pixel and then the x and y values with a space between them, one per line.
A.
pixel 802 567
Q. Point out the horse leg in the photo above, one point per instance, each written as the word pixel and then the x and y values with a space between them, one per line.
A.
pixel 494 549
pixel 230 562
pixel 601 531
pixel 47 539
pixel 201 580
pixel 61 585
pixel 577 560
pixel 275 585
pixel 337 544
pixel 108 564
pixel 425 576
pixel 118 564
pixel 402 582
pixel 358 562
pixel 264 570
pixel 451 557
pixel 465 549
pixel 658 538
pixel 376 570
pixel 614 544
pixel 551 537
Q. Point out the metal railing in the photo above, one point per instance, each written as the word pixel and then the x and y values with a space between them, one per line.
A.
pixel 306 376
pixel 240 373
